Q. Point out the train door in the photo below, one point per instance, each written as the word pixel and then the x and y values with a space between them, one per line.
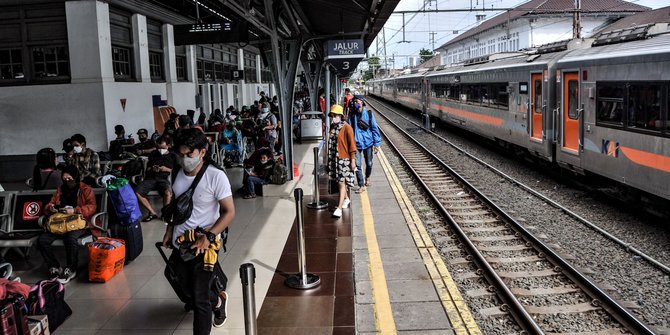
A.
pixel 537 106
pixel 571 113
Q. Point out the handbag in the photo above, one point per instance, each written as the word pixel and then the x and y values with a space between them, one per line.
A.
pixel 61 223
pixel 48 297
pixel 180 208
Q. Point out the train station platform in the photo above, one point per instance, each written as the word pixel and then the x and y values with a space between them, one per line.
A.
pixel 379 271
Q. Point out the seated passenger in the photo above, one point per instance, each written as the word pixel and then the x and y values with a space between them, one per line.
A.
pixel 117 145
pixel 157 176
pixel 45 174
pixel 72 197
pixel 253 160
pixel 86 160
pixel 260 173
pixel 145 145
pixel 230 142
pixel 67 158
pixel 171 124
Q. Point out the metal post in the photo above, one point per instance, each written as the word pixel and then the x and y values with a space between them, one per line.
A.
pixel 248 277
pixel 316 197
pixel 302 280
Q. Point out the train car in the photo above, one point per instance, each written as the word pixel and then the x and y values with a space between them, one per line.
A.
pixel 613 112
pixel 591 109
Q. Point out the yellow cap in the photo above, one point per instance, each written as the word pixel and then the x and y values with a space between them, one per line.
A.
pixel 337 109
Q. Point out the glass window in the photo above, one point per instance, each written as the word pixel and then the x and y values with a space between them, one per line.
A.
pixel 573 99
pixel 538 96
pixel 209 71
pixel 156 65
pixel 498 96
pixel 218 71
pixel 610 103
pixel 181 68
pixel 200 70
pixel 644 107
pixel 50 62
pixel 121 63
pixel 11 64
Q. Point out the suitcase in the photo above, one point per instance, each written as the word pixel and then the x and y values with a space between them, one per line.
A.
pixel 105 259
pixel 132 235
pixel 219 282
pixel 13 317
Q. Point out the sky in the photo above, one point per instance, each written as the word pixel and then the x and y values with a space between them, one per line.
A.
pixel 418 27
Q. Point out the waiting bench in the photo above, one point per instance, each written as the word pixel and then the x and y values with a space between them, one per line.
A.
pixel 22 219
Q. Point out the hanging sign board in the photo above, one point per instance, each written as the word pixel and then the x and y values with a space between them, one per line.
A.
pixel 345 55
pixel 210 33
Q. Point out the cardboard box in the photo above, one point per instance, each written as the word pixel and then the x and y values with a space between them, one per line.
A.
pixel 35 327
pixel 42 321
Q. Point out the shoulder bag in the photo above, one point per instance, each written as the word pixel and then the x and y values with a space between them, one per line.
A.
pixel 61 223
pixel 180 208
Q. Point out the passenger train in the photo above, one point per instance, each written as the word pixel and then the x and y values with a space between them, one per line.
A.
pixel 589 106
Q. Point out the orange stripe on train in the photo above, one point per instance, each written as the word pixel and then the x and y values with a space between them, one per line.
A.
pixel 495 121
pixel 658 162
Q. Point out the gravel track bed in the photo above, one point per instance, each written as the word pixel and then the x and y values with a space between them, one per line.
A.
pixel 634 280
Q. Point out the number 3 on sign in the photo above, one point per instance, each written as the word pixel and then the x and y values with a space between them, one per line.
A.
pixel 345 66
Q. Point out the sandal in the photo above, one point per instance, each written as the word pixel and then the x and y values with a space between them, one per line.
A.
pixel 150 217
pixel 249 196
pixel 368 183
pixel 360 189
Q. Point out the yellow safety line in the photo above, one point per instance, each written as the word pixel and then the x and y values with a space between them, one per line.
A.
pixel 384 322
pixel 457 310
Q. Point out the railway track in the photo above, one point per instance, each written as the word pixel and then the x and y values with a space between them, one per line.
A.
pixel 531 280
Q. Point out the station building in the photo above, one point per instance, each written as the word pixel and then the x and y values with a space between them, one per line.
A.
pixel 71 67
pixel 532 24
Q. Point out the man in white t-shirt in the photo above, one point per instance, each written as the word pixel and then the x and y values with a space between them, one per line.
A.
pixel 213 211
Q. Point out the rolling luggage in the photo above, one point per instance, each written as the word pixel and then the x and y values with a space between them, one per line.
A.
pixel 132 235
pixel 12 316
pixel 219 281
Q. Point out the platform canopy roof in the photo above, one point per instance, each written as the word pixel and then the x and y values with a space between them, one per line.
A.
pixel 312 21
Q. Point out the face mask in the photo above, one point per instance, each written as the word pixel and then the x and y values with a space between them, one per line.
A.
pixel 263 161
pixel 189 163
pixel 163 151
pixel 71 183
pixel 78 149
pixel 357 105
pixel 265 110
pixel 336 119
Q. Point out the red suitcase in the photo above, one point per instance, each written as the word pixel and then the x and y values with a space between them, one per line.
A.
pixel 7 320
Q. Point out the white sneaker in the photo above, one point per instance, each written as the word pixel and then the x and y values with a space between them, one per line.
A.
pixel 346 203
pixel 337 213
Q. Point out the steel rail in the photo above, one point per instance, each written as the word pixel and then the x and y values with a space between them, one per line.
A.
pixel 601 298
pixel 622 243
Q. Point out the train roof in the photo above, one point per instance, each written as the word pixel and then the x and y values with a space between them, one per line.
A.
pixel 656 45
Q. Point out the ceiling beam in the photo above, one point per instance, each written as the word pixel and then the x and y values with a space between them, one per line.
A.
pixel 246 14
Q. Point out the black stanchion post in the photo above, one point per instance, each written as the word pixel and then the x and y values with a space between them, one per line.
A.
pixel 302 280
pixel 316 201
pixel 248 277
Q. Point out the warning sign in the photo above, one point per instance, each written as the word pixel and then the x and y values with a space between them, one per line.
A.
pixel 32 210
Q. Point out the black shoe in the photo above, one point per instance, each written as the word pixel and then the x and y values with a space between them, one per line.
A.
pixel 150 217
pixel 66 276
pixel 55 273
pixel 221 312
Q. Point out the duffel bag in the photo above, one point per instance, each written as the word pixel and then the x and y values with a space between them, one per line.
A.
pixel 106 257
pixel 47 297
pixel 61 223
pixel 124 200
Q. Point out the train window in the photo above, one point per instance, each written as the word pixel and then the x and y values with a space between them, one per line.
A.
pixel 485 97
pixel 472 93
pixel 498 96
pixel 538 95
pixel 454 92
pixel 439 90
pixel 573 99
pixel 644 107
pixel 610 103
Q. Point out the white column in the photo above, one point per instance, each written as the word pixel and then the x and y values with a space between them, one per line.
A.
pixel 89 41
pixel 258 69
pixel 169 58
pixel 141 46
pixel 242 82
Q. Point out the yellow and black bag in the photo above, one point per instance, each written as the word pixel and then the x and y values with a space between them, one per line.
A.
pixel 61 223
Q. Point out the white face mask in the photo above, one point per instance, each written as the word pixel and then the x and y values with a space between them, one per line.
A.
pixel 163 151
pixel 336 119
pixel 189 163
pixel 78 149
pixel 263 161
pixel 265 110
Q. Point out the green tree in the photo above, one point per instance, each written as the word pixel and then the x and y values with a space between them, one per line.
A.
pixel 373 65
pixel 425 54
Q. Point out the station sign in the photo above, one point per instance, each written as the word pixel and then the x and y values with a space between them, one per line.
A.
pixel 237 74
pixel 210 33
pixel 345 55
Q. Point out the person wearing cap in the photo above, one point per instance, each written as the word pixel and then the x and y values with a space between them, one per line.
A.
pixel 341 157
pixel 67 157
pixel 368 139
pixel 145 145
